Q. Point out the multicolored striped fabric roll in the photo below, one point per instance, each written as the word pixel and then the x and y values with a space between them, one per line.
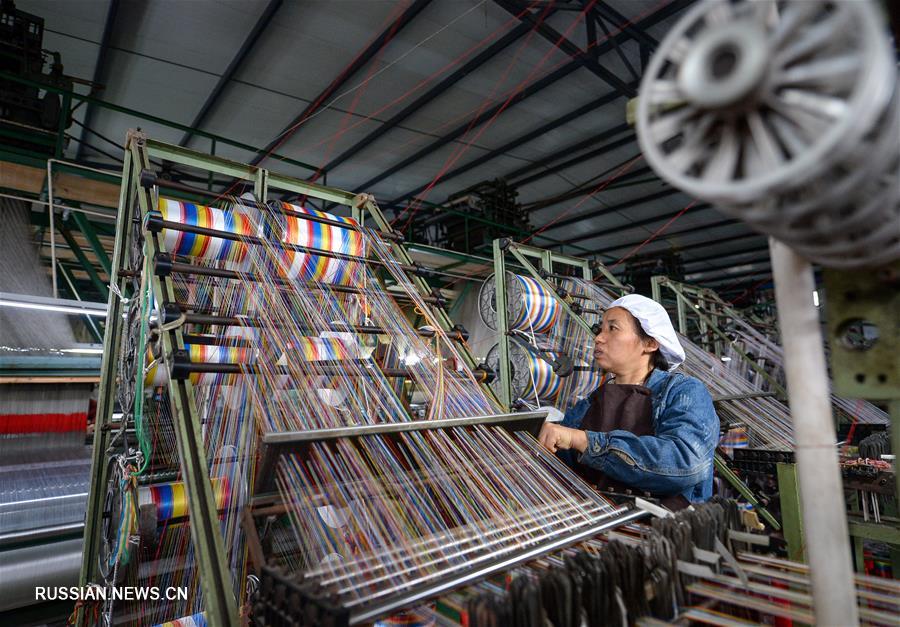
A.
pixel 545 382
pixel 735 438
pixel 308 267
pixel 158 373
pixel 194 620
pixel 323 348
pixel 170 499
pixel 537 310
pixel 588 381
pixel 203 246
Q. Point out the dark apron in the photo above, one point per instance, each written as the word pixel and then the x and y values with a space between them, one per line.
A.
pixel 626 408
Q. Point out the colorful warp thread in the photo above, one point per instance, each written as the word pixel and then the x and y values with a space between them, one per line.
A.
pixel 195 620
pixel 545 384
pixel 157 373
pixel 310 267
pixel 170 499
pixel 537 310
pixel 203 246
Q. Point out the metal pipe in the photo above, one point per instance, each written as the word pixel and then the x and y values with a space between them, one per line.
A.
pixel 527 421
pixel 521 557
pixel 821 491
pixel 164 266
pixel 41 533
pixel 259 241
pixel 52 226
pixel 327 368
pixel 49 565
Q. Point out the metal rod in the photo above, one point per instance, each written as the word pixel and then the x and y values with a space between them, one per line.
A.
pixel 250 321
pixel 259 241
pixel 525 421
pixel 745 395
pixel 327 368
pixel 822 496
pixel 179 267
pixel 181 187
pixel 452 582
pixel 51 211
pixel 41 533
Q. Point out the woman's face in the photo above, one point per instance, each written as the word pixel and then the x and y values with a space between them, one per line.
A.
pixel 618 348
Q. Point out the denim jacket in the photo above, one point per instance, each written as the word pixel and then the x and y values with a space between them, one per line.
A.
pixel 678 459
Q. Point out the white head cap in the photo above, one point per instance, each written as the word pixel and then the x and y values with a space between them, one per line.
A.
pixel 656 323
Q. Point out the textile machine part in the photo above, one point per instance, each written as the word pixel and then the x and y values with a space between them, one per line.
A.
pixel 769 111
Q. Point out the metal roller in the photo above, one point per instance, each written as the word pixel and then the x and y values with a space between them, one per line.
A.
pixel 530 307
pixel 51 565
pixel 767 108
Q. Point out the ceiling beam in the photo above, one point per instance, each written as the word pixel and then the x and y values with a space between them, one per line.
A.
pixel 717 241
pixel 357 64
pixel 478 120
pixel 101 68
pixel 595 20
pixel 724 254
pixel 736 275
pixel 566 151
pixel 511 145
pixel 483 57
pixel 617 181
pixel 711 267
pixel 690 229
pixel 653 18
pixel 607 209
pixel 640 223
pixel 586 59
pixel 635 32
pixel 243 52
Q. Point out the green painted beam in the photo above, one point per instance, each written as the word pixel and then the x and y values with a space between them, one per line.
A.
pixel 791 516
pixel 90 234
pixel 101 228
pixel 152 118
pixel 69 284
pixel 877 532
pixel 86 265
pixel 738 484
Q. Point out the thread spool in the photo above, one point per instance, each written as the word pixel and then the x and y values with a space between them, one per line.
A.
pixel 170 499
pixel 529 306
pixel 204 246
pixel 194 620
pixel 308 267
pixel 530 375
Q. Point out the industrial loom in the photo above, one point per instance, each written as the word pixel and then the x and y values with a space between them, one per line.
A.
pixel 282 419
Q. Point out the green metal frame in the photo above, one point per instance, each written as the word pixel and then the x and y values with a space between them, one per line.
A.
pixel 711 310
pixel 525 256
pixel 134 203
pixel 887 531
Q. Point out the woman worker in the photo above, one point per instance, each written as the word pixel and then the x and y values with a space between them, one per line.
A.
pixel 645 427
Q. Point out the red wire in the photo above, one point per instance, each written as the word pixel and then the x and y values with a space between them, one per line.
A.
pixel 364 86
pixel 427 80
pixel 562 62
pixel 461 149
pixel 654 235
pixel 454 158
pixel 600 187
pixel 457 155
pixel 288 133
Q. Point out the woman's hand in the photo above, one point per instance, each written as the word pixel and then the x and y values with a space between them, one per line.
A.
pixel 558 438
